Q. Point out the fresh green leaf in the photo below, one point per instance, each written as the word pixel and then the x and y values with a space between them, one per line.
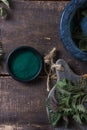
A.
pixel 77 118
pixel 6 2
pixel 62 91
pixel 81 108
pixel 3 12
pixel 84 116
pixel 70 102
pixel 54 118
pixel 61 83
pixel 67 110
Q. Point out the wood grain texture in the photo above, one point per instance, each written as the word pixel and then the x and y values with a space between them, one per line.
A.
pixel 18 98
pixel 23 104
pixel 36 24
pixel 24 127
pixel 31 23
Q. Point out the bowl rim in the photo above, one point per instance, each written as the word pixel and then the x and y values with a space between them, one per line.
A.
pixel 64 29
pixel 16 51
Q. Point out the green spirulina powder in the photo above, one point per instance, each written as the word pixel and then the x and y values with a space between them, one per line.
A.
pixel 25 65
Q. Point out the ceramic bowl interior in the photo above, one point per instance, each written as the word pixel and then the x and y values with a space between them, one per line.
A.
pixel 78 27
pixel 24 63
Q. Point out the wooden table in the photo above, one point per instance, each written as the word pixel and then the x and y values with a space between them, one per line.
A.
pixel 36 24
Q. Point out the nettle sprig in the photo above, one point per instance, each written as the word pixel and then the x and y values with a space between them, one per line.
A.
pixel 3 11
pixel 71 103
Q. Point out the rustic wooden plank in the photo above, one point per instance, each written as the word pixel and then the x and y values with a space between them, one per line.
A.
pixel 36 24
pixel 31 23
pixel 24 127
pixel 23 104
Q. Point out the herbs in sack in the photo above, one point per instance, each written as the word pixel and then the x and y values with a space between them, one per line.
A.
pixel 71 103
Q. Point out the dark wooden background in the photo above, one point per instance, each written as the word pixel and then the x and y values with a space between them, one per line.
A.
pixel 36 24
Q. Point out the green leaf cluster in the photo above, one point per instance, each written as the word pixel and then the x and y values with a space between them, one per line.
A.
pixel 3 11
pixel 71 99
pixel 6 2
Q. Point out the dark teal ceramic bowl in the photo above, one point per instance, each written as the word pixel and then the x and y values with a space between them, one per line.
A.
pixel 24 63
pixel 68 23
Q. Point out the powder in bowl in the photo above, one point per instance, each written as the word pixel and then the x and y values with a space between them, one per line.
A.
pixel 24 63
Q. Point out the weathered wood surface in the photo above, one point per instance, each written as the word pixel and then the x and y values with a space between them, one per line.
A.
pixel 23 104
pixel 36 24
pixel 24 127
pixel 32 23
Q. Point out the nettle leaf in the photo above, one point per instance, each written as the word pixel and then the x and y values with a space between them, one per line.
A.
pixel 67 111
pixel 6 2
pixel 84 116
pixel 77 118
pixel 74 101
pixel 3 12
pixel 63 92
pixel 81 108
pixel 70 102
pixel 48 105
pixel 54 118
pixel 61 83
pixel 65 101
